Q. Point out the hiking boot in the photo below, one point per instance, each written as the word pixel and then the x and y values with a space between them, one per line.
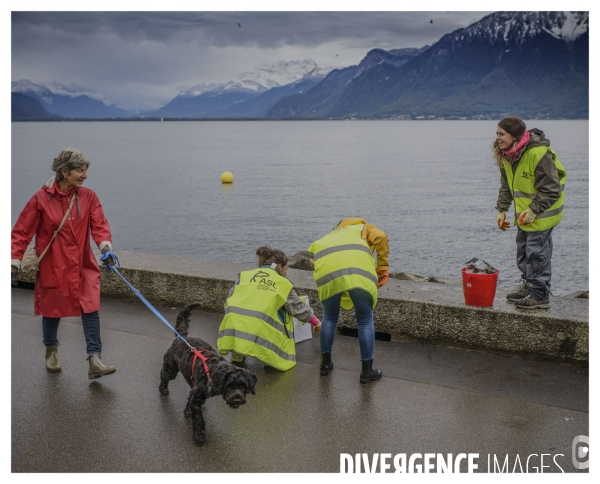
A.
pixel 530 302
pixel 326 365
pixel 522 290
pixel 237 357
pixel 367 374
pixel 52 363
pixel 97 368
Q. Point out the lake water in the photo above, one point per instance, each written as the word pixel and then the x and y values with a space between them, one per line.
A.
pixel 431 185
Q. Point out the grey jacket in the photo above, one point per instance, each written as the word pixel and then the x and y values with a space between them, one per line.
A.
pixel 546 178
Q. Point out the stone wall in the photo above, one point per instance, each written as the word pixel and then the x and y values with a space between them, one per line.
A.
pixel 427 311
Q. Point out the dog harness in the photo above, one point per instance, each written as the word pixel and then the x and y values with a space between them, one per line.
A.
pixel 199 354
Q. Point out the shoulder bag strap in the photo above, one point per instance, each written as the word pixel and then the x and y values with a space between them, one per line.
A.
pixel 59 227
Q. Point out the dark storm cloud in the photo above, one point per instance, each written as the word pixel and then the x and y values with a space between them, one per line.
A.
pixel 260 29
pixel 141 60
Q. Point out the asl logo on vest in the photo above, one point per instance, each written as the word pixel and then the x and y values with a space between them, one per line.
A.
pixel 263 280
pixel 526 175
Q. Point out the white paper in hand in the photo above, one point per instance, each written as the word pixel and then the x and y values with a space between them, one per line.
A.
pixel 302 331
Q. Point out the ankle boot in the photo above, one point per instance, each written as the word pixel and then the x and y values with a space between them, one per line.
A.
pixel 326 364
pixel 52 363
pixel 367 374
pixel 97 369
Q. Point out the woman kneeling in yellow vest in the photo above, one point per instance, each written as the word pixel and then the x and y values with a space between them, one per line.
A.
pixel 258 314
pixel 347 277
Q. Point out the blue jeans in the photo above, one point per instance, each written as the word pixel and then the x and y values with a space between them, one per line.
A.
pixel 91 331
pixel 363 305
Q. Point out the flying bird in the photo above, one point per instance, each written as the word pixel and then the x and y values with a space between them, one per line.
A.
pixel 430 21
pixel 337 55
pixel 239 24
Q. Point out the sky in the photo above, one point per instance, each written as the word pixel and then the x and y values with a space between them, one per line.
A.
pixel 141 60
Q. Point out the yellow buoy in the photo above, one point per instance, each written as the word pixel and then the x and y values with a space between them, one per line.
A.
pixel 227 177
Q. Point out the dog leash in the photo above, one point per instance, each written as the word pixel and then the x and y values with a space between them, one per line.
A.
pixel 197 353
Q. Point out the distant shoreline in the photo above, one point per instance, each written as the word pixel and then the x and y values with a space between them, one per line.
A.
pixel 68 120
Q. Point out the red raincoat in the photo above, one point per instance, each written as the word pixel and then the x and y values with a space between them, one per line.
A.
pixel 69 277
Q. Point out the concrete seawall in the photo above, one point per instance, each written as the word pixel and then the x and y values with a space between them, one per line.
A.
pixel 433 312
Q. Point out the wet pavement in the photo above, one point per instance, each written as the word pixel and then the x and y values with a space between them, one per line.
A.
pixel 432 399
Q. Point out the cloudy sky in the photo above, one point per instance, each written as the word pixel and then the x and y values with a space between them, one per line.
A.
pixel 141 60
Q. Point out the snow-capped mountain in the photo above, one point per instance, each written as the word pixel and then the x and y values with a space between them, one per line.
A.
pixel 28 88
pixel 217 99
pixel 282 73
pixel 47 93
pixel 520 27
pixel 73 102
pixel 214 88
pixel 531 64
pixel 257 107
pixel 259 80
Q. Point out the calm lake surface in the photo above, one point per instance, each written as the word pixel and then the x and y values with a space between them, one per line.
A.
pixel 431 185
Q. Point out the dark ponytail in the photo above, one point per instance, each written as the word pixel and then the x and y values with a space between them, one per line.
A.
pixel 266 255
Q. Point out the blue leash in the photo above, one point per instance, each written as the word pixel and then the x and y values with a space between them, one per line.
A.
pixel 143 299
pixel 197 353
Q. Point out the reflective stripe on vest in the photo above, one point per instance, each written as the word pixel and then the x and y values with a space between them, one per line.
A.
pixel 251 325
pixel 235 333
pixel 345 272
pixel 530 195
pixel 340 248
pixel 344 261
pixel 522 186
pixel 258 315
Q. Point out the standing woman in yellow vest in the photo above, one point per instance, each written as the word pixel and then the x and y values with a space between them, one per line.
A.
pixel 258 314
pixel 534 179
pixel 347 277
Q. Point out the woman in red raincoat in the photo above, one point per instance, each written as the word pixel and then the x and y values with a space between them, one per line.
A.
pixel 68 282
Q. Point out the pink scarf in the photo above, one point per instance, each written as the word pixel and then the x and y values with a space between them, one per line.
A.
pixel 515 151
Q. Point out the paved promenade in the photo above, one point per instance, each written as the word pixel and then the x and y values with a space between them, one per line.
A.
pixel 432 399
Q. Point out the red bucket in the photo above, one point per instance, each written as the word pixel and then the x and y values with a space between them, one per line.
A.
pixel 479 288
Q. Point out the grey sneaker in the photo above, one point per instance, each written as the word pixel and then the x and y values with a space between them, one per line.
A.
pixel 522 290
pixel 530 302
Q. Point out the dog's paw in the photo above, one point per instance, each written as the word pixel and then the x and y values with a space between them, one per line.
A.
pixel 200 439
pixel 187 413
pixel 163 391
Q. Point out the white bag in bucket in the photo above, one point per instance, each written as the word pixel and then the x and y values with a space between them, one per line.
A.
pixel 302 331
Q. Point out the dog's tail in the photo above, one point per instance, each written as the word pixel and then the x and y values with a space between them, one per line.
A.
pixel 182 324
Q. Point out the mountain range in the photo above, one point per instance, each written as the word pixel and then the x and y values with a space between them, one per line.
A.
pixel 531 64
pixel 65 102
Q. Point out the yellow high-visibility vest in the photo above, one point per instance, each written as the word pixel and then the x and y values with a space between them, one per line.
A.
pixel 522 182
pixel 251 325
pixel 344 261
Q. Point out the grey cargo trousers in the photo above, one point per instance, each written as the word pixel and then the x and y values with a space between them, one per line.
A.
pixel 534 254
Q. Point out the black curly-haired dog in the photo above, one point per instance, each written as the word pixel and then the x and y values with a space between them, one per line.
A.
pixel 225 379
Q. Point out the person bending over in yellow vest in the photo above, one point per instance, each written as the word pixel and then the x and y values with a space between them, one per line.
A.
pixel 258 314
pixel 347 277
